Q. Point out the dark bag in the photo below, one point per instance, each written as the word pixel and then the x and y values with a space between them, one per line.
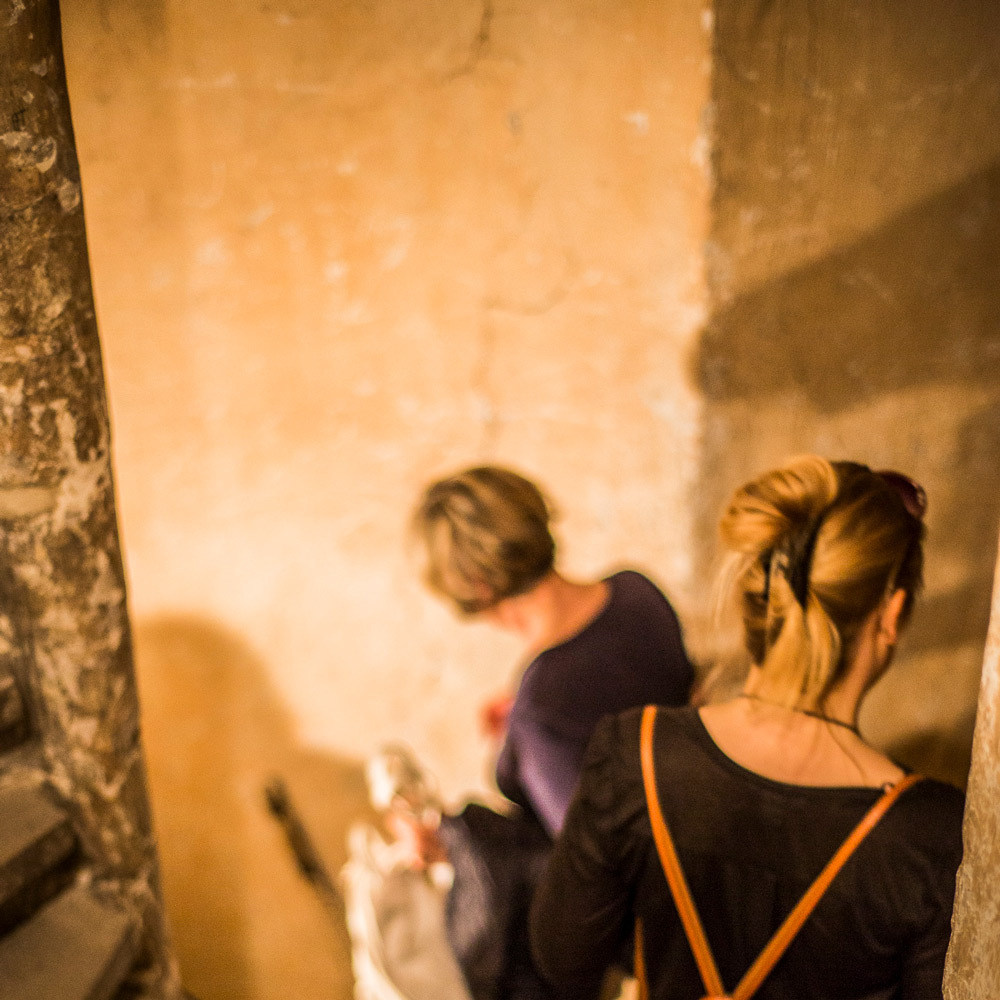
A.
pixel 497 860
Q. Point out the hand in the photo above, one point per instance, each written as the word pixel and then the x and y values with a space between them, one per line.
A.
pixel 416 840
pixel 494 715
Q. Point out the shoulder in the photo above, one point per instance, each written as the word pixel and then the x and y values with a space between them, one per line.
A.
pixel 930 816
pixel 616 737
pixel 636 599
pixel 920 841
pixel 635 609
pixel 611 784
pixel 631 584
pixel 612 731
pixel 611 776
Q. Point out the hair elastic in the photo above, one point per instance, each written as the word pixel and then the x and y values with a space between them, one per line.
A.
pixel 799 548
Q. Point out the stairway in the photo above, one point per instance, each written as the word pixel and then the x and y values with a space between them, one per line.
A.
pixel 59 939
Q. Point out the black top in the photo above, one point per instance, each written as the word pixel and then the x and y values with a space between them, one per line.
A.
pixel 749 847
pixel 630 654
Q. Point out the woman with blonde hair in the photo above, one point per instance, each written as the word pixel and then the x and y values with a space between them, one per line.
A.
pixel 590 648
pixel 762 845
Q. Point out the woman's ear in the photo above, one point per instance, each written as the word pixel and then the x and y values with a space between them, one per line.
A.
pixel 892 612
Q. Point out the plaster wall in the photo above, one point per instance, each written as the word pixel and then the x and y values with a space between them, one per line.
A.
pixel 339 249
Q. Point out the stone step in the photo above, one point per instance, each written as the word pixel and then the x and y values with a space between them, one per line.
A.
pixel 13 724
pixel 74 948
pixel 37 853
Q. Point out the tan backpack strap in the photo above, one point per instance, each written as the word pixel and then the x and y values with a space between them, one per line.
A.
pixel 640 963
pixel 671 865
pixel 784 935
pixel 792 924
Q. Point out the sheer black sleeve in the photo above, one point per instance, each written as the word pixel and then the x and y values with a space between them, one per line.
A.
pixel 582 909
pixel 923 965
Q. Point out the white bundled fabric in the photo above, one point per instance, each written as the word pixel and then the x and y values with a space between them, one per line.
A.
pixel 396 920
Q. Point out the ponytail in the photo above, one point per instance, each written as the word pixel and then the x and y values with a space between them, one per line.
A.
pixel 814 547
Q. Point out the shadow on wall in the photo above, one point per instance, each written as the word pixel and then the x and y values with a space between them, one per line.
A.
pixel 245 924
pixel 887 350
pixel 916 302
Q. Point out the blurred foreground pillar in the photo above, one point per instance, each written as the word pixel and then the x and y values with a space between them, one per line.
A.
pixel 973 967
pixel 63 618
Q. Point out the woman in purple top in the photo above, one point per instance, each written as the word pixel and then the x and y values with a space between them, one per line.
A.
pixel 630 653
pixel 593 648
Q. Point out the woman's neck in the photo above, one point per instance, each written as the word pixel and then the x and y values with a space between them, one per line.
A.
pixel 839 706
pixel 812 713
pixel 554 610
pixel 792 747
pixel 813 744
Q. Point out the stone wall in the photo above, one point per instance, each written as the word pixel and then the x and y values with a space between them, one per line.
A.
pixel 973 968
pixel 64 628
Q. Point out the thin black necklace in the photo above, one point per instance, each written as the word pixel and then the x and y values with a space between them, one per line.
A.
pixel 804 711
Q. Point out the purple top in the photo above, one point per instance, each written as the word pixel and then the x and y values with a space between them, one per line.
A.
pixel 631 654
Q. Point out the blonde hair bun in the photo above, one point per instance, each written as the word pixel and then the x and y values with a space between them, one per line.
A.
pixel 814 547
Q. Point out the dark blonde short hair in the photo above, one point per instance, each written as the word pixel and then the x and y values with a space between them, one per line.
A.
pixel 815 547
pixel 485 534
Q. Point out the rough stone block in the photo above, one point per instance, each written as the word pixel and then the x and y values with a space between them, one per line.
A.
pixel 13 727
pixel 75 948
pixel 37 844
